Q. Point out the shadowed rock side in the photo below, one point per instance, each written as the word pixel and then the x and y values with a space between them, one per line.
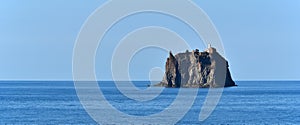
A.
pixel 197 69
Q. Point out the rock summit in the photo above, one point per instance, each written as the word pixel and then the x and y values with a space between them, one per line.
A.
pixel 197 69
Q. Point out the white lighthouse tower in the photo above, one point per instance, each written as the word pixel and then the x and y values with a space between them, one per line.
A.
pixel 210 49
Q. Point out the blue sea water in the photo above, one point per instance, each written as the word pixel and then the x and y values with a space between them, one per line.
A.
pixel 53 102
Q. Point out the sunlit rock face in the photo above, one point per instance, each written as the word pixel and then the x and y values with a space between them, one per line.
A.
pixel 197 69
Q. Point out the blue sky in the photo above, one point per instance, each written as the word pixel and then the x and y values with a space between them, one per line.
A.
pixel 261 38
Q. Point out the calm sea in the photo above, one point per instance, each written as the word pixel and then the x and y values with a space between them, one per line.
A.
pixel 52 102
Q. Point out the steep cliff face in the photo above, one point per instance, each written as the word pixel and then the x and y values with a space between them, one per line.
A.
pixel 172 74
pixel 197 69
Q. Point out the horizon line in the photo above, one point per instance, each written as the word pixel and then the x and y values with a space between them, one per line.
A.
pixel 68 80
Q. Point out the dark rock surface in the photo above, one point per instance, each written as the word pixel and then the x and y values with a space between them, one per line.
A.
pixel 197 69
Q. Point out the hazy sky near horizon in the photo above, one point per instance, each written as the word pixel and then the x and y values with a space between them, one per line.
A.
pixel 261 38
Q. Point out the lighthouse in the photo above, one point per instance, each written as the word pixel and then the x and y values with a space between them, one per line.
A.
pixel 210 49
